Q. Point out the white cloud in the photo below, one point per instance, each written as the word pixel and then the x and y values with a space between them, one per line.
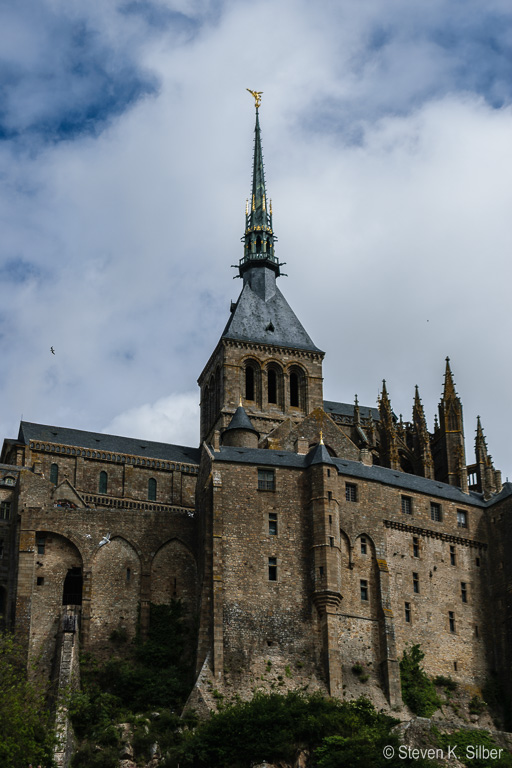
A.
pixel 172 419
pixel 388 164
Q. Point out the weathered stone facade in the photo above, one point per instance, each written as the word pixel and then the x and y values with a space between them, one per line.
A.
pixel 311 535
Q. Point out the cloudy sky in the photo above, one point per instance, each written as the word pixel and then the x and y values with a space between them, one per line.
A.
pixel 125 148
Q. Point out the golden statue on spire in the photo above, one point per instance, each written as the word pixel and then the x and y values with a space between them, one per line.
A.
pixel 257 96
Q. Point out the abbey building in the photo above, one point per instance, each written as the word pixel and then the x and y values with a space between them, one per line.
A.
pixel 309 534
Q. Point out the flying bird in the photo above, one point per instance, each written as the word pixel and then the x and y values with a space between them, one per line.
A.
pixel 105 540
pixel 52 350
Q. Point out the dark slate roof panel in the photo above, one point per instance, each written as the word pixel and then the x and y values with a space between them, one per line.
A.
pixel 241 420
pixel 112 443
pixel 347 409
pixel 318 455
pixel 355 469
pixel 254 318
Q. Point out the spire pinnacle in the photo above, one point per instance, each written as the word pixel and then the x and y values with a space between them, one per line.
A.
pixel 259 236
pixel 449 386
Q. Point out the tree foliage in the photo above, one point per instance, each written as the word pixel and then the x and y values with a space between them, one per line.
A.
pixel 26 733
pixel 418 690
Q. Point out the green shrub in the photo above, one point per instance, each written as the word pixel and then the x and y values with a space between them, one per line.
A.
pixel 418 690
pixel 357 669
pixel 477 705
pixel 463 739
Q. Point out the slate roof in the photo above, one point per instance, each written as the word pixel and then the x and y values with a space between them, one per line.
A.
pixel 263 316
pixel 318 455
pixel 113 443
pixel 355 469
pixel 347 409
pixel 241 420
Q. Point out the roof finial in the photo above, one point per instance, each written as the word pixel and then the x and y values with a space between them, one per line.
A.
pixel 257 96
pixel 321 437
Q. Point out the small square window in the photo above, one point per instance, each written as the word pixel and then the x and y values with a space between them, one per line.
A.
pixel 272 523
pixel 415 547
pixel 451 620
pixel 272 569
pixel 408 613
pixel 463 591
pixel 40 581
pixel 350 492
pixel 435 512
pixel 266 480
pixel 364 589
pixel 364 545
pixel 415 583
pixel 462 519
pixel 406 505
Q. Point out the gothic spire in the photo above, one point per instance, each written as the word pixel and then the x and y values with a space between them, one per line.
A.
pixel 449 392
pixel 259 236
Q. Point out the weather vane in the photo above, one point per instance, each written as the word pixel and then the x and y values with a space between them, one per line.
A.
pixel 257 96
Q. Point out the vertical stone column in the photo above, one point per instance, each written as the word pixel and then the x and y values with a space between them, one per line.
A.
pixel 390 667
pixel 218 613
pixel 26 568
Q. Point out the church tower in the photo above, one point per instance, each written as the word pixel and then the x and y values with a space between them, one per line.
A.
pixel 264 360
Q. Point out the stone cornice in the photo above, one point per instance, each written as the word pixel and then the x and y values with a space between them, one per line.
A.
pixel 273 349
pixel 429 533
pixel 112 457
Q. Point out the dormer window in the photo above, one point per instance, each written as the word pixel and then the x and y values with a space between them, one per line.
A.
pixel 9 480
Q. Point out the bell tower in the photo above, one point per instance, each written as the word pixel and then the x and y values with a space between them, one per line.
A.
pixel 264 359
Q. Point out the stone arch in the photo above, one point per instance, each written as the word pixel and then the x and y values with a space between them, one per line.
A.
pixel 274 384
pixel 54 558
pixel 297 395
pixel 115 591
pixel 174 575
pixel 251 381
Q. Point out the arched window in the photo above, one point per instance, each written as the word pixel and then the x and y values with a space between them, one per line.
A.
pixel 54 474
pixel 294 389
pixel 272 386
pixel 258 244
pixel 297 388
pixel 249 383
pixel 152 489
pixel 103 482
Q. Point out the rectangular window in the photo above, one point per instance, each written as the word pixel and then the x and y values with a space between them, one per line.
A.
pixel 128 574
pixel 330 519
pixel 5 510
pixel 331 541
pixel 41 544
pixel 477 562
pixel 363 545
pixel 452 555
pixel 415 547
pixel 350 492
pixel 266 480
pixel 40 581
pixel 451 619
pixel 462 519
pixel 364 589
pixel 272 569
pixel 435 512
pixel 476 630
pixel 463 591
pixel 406 505
pixel 272 523
pixel 415 583
pixel 408 613
pixel 329 495
pixel 321 570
